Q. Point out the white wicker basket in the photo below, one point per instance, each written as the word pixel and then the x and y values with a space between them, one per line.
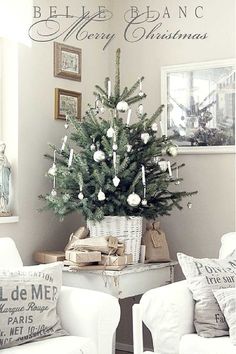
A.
pixel 126 229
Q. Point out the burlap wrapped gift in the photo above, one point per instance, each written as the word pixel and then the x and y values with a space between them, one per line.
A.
pixel 156 245
pixel 81 233
pixel 106 245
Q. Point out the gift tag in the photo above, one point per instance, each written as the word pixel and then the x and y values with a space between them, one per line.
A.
pixel 155 240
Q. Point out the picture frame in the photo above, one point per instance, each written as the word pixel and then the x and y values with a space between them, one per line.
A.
pixel 200 105
pixel 67 103
pixel 67 62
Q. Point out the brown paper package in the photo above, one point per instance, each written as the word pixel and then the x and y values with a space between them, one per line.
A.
pixel 156 245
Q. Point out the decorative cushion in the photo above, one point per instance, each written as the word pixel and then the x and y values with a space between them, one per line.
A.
pixel 28 299
pixel 193 344
pixel 203 276
pixel 62 345
pixel 227 301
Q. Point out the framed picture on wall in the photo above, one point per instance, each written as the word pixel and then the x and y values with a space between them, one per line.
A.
pixel 67 62
pixel 199 102
pixel 67 103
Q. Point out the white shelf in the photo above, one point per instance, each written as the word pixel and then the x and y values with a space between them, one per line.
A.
pixel 8 219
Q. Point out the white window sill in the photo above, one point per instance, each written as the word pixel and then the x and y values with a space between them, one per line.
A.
pixel 9 219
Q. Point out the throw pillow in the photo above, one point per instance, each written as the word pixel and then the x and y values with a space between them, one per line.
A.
pixel 28 299
pixel 203 275
pixel 227 301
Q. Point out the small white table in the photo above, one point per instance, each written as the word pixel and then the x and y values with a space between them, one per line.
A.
pixel 130 281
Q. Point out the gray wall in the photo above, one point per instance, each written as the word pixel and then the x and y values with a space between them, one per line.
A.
pixel 37 128
pixel 196 231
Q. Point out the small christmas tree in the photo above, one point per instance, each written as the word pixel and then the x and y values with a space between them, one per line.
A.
pixel 119 168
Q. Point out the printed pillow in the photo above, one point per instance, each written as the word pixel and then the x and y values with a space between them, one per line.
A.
pixel 227 301
pixel 28 299
pixel 203 276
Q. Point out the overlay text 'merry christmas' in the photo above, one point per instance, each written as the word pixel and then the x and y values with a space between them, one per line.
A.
pixel 139 24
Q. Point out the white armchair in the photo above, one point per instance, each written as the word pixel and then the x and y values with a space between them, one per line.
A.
pixel 90 317
pixel 168 313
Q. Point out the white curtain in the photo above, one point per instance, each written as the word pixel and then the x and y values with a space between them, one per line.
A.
pixel 15 20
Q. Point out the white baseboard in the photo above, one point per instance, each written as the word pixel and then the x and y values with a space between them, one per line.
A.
pixel 128 347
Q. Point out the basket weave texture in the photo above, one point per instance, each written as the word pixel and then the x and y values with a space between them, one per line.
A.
pixel 126 229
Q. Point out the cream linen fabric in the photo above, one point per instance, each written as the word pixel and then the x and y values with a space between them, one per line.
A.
pixel 227 301
pixel 204 275
pixel 28 299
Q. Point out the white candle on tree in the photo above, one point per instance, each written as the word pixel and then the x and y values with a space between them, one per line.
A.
pixel 109 88
pixel 70 158
pixel 129 116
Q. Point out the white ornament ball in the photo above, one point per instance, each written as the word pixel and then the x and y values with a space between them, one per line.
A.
pixel 133 199
pixel 80 196
pixel 53 170
pixel 155 127
pixel 163 165
pixel 116 181
pixel 145 137
pixel 122 106
pixel 173 151
pixel 115 147
pixel 189 205
pixel 144 202
pixel 99 156
pixel 101 196
pixel 128 147
pixel 110 132
pixel 53 192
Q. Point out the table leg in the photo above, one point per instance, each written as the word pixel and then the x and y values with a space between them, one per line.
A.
pixel 114 344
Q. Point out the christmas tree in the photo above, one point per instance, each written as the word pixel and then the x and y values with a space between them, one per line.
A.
pixel 111 165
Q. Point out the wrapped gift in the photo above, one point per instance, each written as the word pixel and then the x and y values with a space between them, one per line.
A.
pixel 116 260
pixel 49 256
pixel 83 256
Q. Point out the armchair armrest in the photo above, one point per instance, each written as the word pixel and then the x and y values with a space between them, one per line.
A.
pixel 168 313
pixel 90 314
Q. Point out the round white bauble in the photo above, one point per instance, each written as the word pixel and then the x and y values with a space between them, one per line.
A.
pixel 53 192
pixel 144 202
pixel 66 125
pixel 80 196
pixel 133 199
pixel 116 181
pixel 155 127
pixel 173 151
pixel 163 165
pixel 128 147
pixel 99 156
pixel 101 196
pixel 189 205
pixel 122 106
pixel 145 137
pixel 114 146
pixel 110 132
pixel 53 170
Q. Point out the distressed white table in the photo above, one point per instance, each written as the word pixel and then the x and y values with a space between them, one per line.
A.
pixel 131 281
